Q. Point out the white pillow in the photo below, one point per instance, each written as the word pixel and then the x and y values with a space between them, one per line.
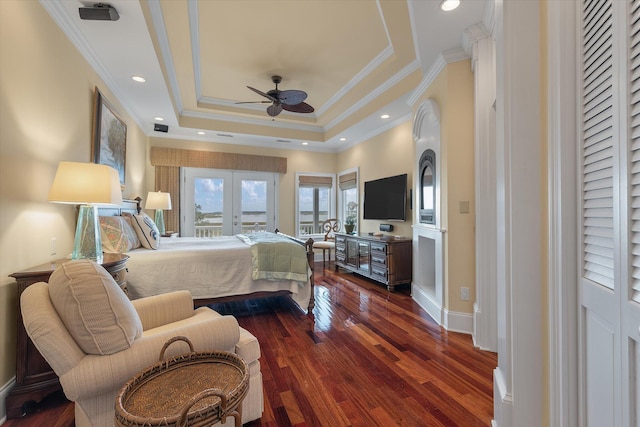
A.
pixel 147 230
pixel 94 309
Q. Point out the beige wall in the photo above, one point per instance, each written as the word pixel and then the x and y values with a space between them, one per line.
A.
pixel 387 154
pixel 453 91
pixel 46 108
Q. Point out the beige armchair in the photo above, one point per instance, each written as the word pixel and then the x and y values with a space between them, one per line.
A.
pixel 95 339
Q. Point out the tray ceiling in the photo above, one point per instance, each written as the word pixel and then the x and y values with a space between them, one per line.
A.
pixel 355 60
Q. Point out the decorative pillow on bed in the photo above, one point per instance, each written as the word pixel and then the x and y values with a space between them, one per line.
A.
pixel 117 234
pixel 147 230
pixel 95 311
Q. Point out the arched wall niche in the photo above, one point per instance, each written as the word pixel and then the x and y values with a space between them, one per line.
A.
pixel 428 286
pixel 426 134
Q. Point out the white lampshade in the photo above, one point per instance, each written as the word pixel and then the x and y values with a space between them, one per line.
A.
pixel 158 200
pixel 86 183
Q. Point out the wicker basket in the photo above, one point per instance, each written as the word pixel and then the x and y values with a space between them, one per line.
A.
pixel 193 389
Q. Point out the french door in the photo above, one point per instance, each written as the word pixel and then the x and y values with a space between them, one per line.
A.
pixel 222 203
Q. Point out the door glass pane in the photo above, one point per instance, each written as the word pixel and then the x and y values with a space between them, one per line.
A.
pixel 209 205
pixel 253 205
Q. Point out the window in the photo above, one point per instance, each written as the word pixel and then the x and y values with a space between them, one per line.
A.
pixel 314 202
pixel 348 199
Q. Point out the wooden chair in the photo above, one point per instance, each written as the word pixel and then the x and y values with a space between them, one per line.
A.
pixel 330 227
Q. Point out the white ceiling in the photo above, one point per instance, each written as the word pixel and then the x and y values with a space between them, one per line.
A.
pixel 356 59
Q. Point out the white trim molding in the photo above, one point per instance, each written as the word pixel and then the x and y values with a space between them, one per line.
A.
pixel 485 331
pixel 562 359
pixel 519 388
pixel 4 393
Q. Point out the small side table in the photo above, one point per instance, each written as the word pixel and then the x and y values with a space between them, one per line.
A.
pixel 34 377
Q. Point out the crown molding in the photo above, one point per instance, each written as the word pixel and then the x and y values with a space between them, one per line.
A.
pixel 59 14
pixel 163 42
pixel 399 76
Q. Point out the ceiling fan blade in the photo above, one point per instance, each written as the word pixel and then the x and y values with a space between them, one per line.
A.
pixel 302 107
pixel 253 102
pixel 274 109
pixel 291 97
pixel 259 92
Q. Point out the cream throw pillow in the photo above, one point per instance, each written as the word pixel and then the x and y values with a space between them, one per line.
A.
pixel 147 230
pixel 95 311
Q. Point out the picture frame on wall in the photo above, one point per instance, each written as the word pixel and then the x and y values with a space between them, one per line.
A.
pixel 109 136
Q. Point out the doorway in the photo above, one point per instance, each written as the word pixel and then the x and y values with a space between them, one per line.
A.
pixel 223 203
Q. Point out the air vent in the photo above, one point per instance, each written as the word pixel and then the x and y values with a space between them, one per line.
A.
pixel 286 141
pixel 226 135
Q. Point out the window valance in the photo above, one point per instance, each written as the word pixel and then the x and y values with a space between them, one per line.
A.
pixel 177 157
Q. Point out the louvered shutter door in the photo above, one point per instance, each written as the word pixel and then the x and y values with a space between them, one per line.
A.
pixel 634 144
pixel 597 148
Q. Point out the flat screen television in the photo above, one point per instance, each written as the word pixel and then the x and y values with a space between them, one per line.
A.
pixel 386 198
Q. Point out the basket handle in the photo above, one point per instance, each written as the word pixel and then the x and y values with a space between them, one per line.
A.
pixel 171 341
pixel 182 421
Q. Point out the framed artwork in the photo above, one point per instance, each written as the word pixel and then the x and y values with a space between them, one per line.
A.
pixel 109 136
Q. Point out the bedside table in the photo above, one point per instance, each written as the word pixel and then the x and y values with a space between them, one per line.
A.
pixel 34 377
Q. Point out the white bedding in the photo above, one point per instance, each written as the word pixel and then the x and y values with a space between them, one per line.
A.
pixel 208 268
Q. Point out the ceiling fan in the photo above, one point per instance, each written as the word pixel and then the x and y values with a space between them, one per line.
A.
pixel 290 100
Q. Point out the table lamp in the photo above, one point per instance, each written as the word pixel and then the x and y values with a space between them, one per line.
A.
pixel 159 201
pixel 87 185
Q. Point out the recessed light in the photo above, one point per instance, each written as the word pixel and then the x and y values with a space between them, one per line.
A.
pixel 384 116
pixel 138 79
pixel 343 139
pixel 160 119
pixel 200 133
pixel 305 143
pixel 449 5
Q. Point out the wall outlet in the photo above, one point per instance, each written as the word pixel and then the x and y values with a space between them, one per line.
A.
pixel 464 294
pixel 53 246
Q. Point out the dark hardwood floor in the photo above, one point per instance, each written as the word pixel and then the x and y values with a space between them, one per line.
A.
pixel 367 357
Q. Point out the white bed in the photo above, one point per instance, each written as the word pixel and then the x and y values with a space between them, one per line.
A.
pixel 211 269
pixel 214 269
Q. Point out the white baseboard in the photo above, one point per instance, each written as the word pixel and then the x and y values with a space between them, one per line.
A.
pixel 4 392
pixel 502 401
pixel 450 320
pixel 458 322
pixel 428 303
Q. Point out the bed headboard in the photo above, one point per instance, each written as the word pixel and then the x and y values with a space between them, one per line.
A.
pixel 131 206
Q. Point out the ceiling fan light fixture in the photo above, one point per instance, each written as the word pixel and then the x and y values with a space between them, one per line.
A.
pixel 289 100
pixel 449 5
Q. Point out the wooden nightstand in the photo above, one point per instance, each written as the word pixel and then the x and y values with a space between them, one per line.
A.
pixel 34 377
